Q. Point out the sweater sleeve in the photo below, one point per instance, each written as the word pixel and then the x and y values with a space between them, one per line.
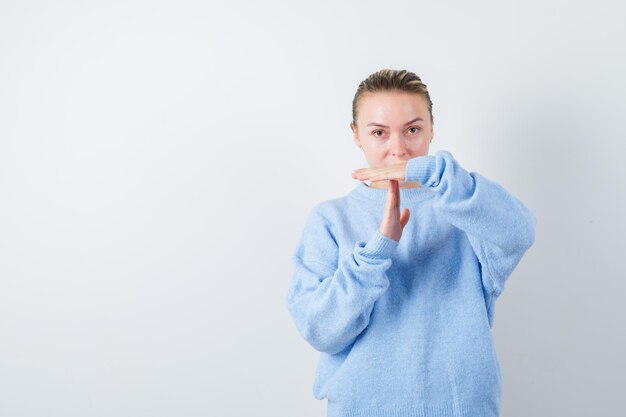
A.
pixel 499 227
pixel 330 297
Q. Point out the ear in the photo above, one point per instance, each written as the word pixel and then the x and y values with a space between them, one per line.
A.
pixel 355 134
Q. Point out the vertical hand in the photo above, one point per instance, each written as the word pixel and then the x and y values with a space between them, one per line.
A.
pixel 393 222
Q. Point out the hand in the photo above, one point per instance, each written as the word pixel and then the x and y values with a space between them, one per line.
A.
pixel 393 222
pixel 391 172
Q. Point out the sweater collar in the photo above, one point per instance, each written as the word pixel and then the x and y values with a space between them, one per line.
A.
pixel 413 195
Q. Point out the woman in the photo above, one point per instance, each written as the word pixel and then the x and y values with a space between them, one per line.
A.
pixel 400 303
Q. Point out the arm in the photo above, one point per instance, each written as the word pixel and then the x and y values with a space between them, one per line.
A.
pixel 331 298
pixel 499 227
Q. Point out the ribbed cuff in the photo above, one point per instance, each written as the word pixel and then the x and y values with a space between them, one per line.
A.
pixel 482 409
pixel 379 246
pixel 420 169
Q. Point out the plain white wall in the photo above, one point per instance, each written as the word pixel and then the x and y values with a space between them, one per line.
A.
pixel 158 159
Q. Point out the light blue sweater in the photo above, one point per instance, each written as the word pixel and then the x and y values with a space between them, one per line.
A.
pixel 404 328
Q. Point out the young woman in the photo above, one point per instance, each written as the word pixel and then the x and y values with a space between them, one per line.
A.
pixel 400 303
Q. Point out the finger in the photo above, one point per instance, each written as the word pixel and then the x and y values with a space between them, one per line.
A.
pixel 396 195
pixel 396 172
pixel 391 212
pixel 377 174
pixel 404 217
pixel 389 200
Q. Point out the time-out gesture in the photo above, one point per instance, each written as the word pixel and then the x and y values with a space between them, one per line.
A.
pixel 393 221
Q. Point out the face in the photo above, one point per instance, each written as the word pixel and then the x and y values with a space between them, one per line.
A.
pixel 392 127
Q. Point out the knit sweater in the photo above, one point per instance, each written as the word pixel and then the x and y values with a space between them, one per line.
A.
pixel 404 327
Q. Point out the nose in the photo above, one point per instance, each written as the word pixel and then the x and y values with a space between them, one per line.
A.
pixel 398 146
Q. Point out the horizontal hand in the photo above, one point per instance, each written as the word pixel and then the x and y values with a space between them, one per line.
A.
pixel 390 172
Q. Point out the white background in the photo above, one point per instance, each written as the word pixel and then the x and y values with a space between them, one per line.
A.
pixel 158 159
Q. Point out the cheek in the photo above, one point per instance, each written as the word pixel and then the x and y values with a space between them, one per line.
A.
pixel 421 143
pixel 374 153
pixel 421 147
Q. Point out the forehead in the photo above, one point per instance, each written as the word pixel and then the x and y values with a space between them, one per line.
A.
pixel 392 105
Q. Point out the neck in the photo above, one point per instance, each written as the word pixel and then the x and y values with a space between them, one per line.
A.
pixel 402 185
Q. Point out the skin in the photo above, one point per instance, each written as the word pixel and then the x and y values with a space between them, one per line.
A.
pixel 386 131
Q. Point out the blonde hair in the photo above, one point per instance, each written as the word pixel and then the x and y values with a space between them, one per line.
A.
pixel 392 80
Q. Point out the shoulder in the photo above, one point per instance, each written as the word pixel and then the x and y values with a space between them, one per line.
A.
pixel 323 219
pixel 329 210
pixel 318 239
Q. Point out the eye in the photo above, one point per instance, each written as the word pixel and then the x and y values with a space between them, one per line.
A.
pixel 374 132
pixel 417 129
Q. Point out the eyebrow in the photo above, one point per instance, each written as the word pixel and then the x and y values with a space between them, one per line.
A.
pixel 417 119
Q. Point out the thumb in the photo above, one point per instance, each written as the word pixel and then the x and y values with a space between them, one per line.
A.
pixel 404 217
